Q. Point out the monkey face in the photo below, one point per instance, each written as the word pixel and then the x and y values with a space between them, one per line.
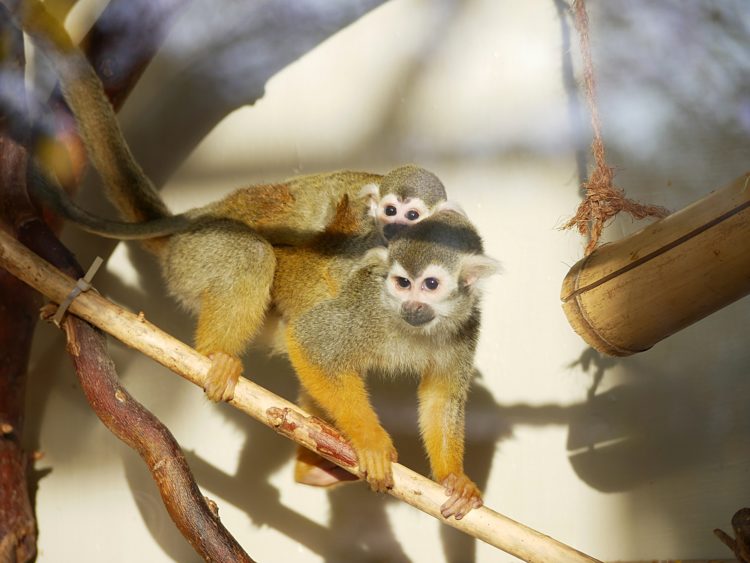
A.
pixel 434 270
pixel 394 213
pixel 423 299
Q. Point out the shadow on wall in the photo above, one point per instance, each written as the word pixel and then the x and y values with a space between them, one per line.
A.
pixel 672 412
pixel 359 527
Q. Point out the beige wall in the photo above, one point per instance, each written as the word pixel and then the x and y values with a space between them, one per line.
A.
pixel 643 466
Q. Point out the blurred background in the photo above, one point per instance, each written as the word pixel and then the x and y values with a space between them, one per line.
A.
pixel 625 459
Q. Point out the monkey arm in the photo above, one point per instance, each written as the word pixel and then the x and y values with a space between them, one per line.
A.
pixel 442 397
pixel 343 396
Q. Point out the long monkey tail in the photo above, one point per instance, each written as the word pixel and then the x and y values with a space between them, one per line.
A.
pixel 126 184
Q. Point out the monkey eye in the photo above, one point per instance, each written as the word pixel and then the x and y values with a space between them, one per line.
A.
pixel 431 283
pixel 390 210
pixel 403 283
pixel 412 215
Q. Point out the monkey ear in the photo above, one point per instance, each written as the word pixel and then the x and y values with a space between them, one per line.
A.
pixel 371 192
pixel 450 206
pixel 476 267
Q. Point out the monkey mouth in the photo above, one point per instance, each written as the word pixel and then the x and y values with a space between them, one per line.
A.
pixel 425 327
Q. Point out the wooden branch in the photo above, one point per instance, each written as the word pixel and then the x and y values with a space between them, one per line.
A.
pixel 273 411
pixel 195 517
pixel 628 295
pixel 131 422
pixel 18 304
pixel 740 544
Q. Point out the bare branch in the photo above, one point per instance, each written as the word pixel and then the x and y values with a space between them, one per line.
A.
pixel 138 428
pixel 273 411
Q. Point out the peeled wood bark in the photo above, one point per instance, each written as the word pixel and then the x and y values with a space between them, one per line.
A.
pixel 628 295
pixel 273 411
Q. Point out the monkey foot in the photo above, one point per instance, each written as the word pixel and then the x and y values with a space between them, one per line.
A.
pixel 464 495
pixel 375 467
pixel 222 376
pixel 311 469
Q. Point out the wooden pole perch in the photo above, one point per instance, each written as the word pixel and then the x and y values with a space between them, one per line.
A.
pixel 275 412
pixel 628 295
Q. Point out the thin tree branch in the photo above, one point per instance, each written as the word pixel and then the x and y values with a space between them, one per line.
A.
pixel 273 411
pixel 196 518
pixel 740 543
pixel 130 421
pixel 18 306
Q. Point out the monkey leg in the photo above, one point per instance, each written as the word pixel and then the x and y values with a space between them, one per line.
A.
pixel 310 468
pixel 441 420
pixel 344 398
pixel 227 271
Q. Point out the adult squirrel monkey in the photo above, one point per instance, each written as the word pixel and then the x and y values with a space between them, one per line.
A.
pixel 217 260
pixel 412 309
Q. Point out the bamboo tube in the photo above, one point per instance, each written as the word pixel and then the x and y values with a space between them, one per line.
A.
pixel 273 411
pixel 628 295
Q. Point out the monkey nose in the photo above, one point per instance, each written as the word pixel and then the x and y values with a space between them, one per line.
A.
pixel 390 230
pixel 417 313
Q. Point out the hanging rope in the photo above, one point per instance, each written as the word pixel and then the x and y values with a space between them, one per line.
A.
pixel 603 199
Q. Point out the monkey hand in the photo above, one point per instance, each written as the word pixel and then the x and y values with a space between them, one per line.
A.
pixel 222 376
pixel 464 495
pixel 375 458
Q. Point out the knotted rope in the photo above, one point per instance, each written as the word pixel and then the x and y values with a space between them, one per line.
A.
pixel 603 199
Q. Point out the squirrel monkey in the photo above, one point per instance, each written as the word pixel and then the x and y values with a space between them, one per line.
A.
pixel 349 308
pixel 217 260
pixel 412 308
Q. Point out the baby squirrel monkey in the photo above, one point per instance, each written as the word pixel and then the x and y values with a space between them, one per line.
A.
pixel 218 260
pixel 412 308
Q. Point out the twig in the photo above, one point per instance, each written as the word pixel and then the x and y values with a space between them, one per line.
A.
pixel 740 544
pixel 273 411
pixel 127 419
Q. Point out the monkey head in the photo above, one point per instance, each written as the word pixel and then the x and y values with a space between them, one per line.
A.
pixel 404 197
pixel 434 272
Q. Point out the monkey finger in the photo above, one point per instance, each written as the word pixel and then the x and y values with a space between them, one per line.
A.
pixel 376 469
pixel 457 506
pixel 381 476
pixel 450 506
pixel 463 496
